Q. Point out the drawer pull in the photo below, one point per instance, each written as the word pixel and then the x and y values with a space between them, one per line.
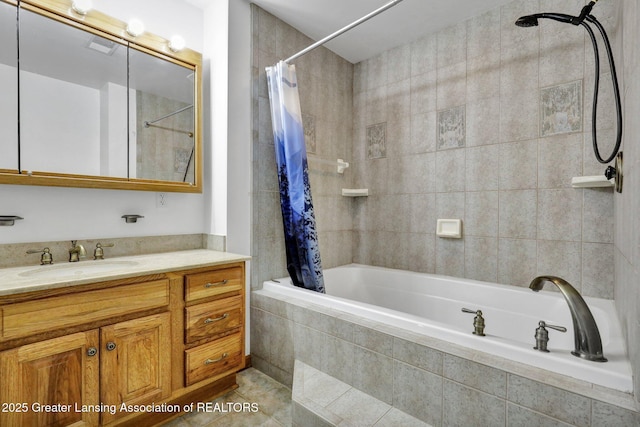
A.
pixel 217 319
pixel 210 361
pixel 211 285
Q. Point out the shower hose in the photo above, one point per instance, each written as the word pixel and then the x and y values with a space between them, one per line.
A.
pixel 616 89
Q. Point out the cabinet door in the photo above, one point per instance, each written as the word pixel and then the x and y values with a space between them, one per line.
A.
pixel 61 372
pixel 135 362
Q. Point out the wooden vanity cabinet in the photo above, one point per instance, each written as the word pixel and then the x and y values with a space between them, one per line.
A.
pixel 214 319
pixel 59 372
pixel 147 347
pixel 135 367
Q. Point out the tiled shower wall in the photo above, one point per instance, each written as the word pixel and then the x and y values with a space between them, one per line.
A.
pixel 627 204
pixel 325 85
pixel 487 122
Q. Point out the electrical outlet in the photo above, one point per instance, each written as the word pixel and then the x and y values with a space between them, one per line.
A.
pixel 161 200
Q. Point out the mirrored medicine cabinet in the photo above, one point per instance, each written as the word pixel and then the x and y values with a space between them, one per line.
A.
pixel 86 104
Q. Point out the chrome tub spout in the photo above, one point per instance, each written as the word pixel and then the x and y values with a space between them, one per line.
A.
pixel 588 344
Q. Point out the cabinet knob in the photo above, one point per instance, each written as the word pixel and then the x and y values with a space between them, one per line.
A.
pixel 111 346
pixel 92 351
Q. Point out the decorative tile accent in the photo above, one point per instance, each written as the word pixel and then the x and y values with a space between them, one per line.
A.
pixel 451 128
pixel 561 109
pixel 377 140
pixel 309 126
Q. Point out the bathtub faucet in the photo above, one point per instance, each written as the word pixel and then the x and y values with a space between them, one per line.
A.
pixel 587 336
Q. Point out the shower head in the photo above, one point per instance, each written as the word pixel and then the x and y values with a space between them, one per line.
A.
pixel 528 21
pixel 532 20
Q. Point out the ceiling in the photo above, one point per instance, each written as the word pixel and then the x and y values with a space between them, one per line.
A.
pixel 405 22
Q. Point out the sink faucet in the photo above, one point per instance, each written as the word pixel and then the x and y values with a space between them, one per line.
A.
pixel 587 336
pixel 76 252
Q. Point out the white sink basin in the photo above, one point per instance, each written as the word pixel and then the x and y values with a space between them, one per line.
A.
pixel 77 269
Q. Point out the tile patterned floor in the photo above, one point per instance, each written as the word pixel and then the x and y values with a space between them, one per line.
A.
pixel 272 398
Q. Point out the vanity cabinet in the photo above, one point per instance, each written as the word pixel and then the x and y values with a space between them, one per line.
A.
pixel 58 372
pixel 213 322
pixel 57 378
pixel 135 368
pixel 70 356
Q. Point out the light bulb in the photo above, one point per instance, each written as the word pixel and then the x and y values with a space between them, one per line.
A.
pixel 81 7
pixel 135 28
pixel 177 43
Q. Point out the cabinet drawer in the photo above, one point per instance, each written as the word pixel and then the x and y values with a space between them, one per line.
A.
pixel 212 283
pixel 213 359
pixel 208 319
pixel 32 317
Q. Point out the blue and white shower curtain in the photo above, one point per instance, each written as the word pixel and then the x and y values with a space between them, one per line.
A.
pixel 301 237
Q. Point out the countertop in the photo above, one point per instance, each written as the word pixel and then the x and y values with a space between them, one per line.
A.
pixel 18 280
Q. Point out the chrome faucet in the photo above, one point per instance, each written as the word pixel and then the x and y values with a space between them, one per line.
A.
pixel 588 344
pixel 76 252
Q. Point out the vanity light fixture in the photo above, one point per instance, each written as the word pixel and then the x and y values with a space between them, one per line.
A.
pixel 177 43
pixel 82 7
pixel 135 28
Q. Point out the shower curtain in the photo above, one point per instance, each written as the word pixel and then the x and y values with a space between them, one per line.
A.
pixel 301 238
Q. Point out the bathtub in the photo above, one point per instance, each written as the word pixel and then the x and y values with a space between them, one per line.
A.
pixel 432 305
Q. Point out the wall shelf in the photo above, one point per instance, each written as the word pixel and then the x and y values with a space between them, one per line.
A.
pixel 355 192
pixel 596 181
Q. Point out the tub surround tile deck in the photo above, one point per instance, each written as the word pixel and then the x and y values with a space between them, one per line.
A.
pixel 321 400
pixel 432 380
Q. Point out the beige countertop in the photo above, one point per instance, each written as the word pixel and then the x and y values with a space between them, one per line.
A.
pixel 18 280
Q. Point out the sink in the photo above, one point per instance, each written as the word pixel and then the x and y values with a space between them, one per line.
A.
pixel 76 270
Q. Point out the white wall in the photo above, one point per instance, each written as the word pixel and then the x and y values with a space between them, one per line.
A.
pixel 239 155
pixel 239 146
pixel 8 118
pixel 71 213
pixel 216 93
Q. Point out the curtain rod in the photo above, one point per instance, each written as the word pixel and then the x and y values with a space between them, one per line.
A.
pixel 170 114
pixel 343 30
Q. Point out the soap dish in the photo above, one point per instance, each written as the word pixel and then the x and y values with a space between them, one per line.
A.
pixel 355 192
pixel 449 228
pixel 9 220
pixel 591 182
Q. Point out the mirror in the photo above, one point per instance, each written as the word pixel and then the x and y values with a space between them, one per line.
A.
pixel 73 93
pixel 8 88
pixel 97 107
pixel 164 117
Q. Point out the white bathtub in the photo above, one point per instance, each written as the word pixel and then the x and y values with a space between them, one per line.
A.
pixel 431 305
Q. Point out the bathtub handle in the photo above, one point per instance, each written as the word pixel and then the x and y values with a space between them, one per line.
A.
pixel 478 321
pixel 542 335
